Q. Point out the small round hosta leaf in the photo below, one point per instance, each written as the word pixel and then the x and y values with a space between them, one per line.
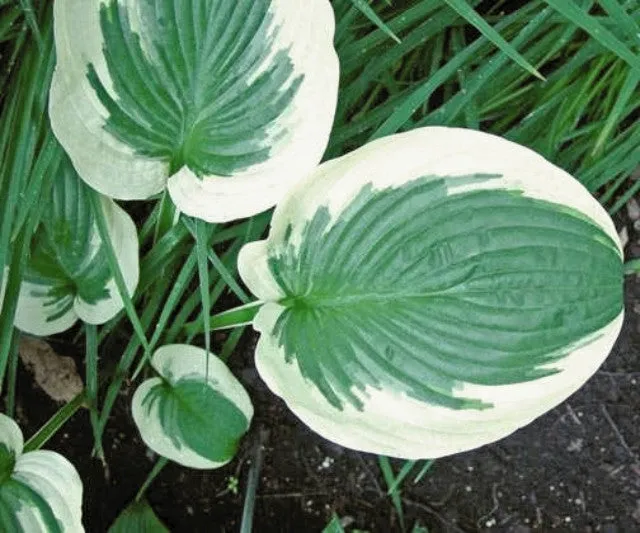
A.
pixel 193 416
pixel 40 492
pixel 432 292
pixel 226 103
pixel 138 518
pixel 68 275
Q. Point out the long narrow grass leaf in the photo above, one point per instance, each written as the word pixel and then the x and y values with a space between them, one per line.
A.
pixel 575 14
pixel 404 472
pixel 115 269
pixel 91 368
pixel 202 245
pixel 471 15
pixel 418 97
pixel 622 18
pixel 232 341
pixel 178 289
pixel 12 374
pixel 622 99
pixel 389 478
pixel 246 524
pixel 368 12
pixel 425 468
pixel 53 425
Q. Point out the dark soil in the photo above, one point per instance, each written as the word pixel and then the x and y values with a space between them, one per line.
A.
pixel 575 469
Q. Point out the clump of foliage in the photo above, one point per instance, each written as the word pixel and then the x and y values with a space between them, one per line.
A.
pixel 409 293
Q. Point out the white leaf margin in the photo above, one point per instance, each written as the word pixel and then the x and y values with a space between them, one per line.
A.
pixel 176 362
pixel 11 436
pixel 392 423
pixel 78 118
pixel 48 473
pixel 32 313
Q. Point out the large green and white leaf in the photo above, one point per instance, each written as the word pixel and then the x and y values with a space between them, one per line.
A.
pixel 192 414
pixel 40 492
pixel 433 292
pixel 227 103
pixel 68 275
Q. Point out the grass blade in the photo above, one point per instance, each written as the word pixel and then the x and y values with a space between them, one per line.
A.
pixel 91 366
pixel 597 31
pixel 404 471
pixel 427 466
pixel 178 288
pixel 622 19
pixel 334 526
pixel 219 266
pixel 624 96
pixel 115 269
pixel 420 95
pixel 231 343
pixel 12 374
pixel 29 15
pixel 246 525
pixel 389 478
pixel 47 431
pixel 368 12
pixel 202 244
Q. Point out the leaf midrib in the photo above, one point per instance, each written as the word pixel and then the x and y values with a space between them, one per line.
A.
pixel 316 301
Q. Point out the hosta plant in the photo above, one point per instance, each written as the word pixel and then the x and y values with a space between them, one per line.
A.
pixel 432 292
pixel 40 491
pixel 423 295
pixel 68 276
pixel 195 412
pixel 226 104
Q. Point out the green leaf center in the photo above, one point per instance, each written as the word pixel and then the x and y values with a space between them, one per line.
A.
pixel 419 290
pixel 195 85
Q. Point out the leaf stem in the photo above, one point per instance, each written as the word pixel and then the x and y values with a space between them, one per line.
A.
pixel 252 482
pixel 55 423
pixel 232 318
pixel 157 468
pixel 632 267
pixel 91 369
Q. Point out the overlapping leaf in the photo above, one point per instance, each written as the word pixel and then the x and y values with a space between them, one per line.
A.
pixel 68 275
pixel 227 103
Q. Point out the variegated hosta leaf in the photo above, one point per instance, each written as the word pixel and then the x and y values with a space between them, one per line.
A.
pixel 227 103
pixel 68 275
pixel 432 292
pixel 40 492
pixel 190 415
